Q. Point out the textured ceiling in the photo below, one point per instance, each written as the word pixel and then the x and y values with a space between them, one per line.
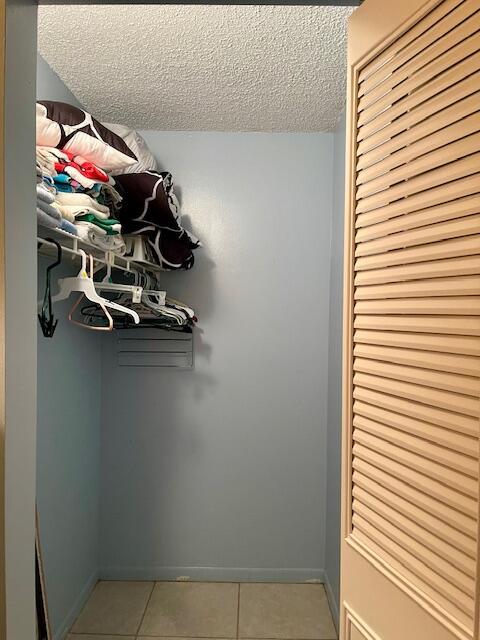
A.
pixel 224 68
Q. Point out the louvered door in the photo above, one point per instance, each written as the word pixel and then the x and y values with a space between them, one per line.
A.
pixel 412 323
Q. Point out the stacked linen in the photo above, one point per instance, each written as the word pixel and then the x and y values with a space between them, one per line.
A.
pixel 76 189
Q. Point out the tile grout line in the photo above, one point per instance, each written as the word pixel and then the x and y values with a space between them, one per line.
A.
pixel 145 610
pixel 238 611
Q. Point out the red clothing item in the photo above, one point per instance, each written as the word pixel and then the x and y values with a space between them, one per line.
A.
pixel 87 169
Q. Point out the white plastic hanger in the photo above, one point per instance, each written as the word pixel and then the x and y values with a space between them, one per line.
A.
pixel 105 285
pixel 84 283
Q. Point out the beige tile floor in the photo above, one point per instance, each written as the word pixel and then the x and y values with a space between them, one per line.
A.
pixel 212 610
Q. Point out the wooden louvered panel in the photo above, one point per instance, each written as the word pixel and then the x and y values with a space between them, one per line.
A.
pixel 417 148
pixel 404 47
pixel 413 509
pixel 453 600
pixel 406 332
pixel 422 481
pixel 458 167
pixel 469 265
pixel 465 465
pixel 463 306
pixel 455 460
pixel 459 286
pixel 423 74
pixel 435 379
pixel 435 415
pixel 433 95
pixel 412 359
pixel 438 113
pixel 457 402
pixel 448 438
pixel 432 233
pixel 466 365
pixel 445 557
pixel 439 195
pixel 448 38
pixel 441 213
pixel 455 479
pixel 375 479
pixel 424 253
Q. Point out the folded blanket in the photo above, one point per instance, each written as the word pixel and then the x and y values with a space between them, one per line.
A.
pixel 49 210
pixel 44 195
pixel 70 212
pixel 45 220
pixel 110 226
pixel 98 237
pixel 82 200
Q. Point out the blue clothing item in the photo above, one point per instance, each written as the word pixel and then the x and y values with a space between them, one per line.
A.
pixel 66 225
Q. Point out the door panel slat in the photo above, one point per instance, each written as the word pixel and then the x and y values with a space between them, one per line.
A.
pixel 455 210
pixel 424 483
pixel 452 363
pixel 454 55
pixel 430 56
pixel 420 570
pixel 437 88
pixel 413 512
pixel 455 334
pixel 452 267
pixel 420 153
pixel 374 479
pixel 456 402
pixel 428 118
pixel 463 286
pixel 442 417
pixel 411 442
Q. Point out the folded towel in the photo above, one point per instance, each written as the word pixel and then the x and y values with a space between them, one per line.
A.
pixel 96 236
pixel 70 212
pixel 111 226
pixel 45 220
pixel 82 200
pixel 49 210
pixel 44 195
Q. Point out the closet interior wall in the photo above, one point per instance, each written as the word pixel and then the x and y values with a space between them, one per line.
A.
pixel 219 473
pixel 68 437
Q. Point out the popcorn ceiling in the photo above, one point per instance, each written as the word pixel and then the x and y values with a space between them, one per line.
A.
pixel 201 68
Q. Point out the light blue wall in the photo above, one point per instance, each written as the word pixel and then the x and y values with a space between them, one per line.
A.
pixel 50 87
pixel 332 546
pixel 221 472
pixel 68 445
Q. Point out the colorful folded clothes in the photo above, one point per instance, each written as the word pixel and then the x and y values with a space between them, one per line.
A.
pixel 110 226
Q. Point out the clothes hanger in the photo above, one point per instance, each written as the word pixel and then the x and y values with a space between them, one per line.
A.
pixel 46 318
pixel 108 327
pixel 84 284
pixel 107 285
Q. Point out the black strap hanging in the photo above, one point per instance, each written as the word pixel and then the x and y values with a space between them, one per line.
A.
pixel 46 317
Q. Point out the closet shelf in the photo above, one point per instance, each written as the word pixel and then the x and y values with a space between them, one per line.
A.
pixel 71 245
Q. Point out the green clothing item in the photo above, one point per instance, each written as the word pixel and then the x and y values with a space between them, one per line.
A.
pixel 111 226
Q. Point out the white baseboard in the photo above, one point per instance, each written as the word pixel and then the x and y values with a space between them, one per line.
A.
pixel 332 601
pixel 64 627
pixel 212 574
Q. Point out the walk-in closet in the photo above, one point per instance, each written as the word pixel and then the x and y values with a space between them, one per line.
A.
pixel 190 183
pixel 240 321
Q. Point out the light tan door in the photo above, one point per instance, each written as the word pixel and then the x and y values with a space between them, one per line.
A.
pixel 412 323
pixel 2 324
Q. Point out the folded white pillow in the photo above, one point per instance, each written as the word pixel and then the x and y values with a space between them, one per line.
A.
pixel 145 159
